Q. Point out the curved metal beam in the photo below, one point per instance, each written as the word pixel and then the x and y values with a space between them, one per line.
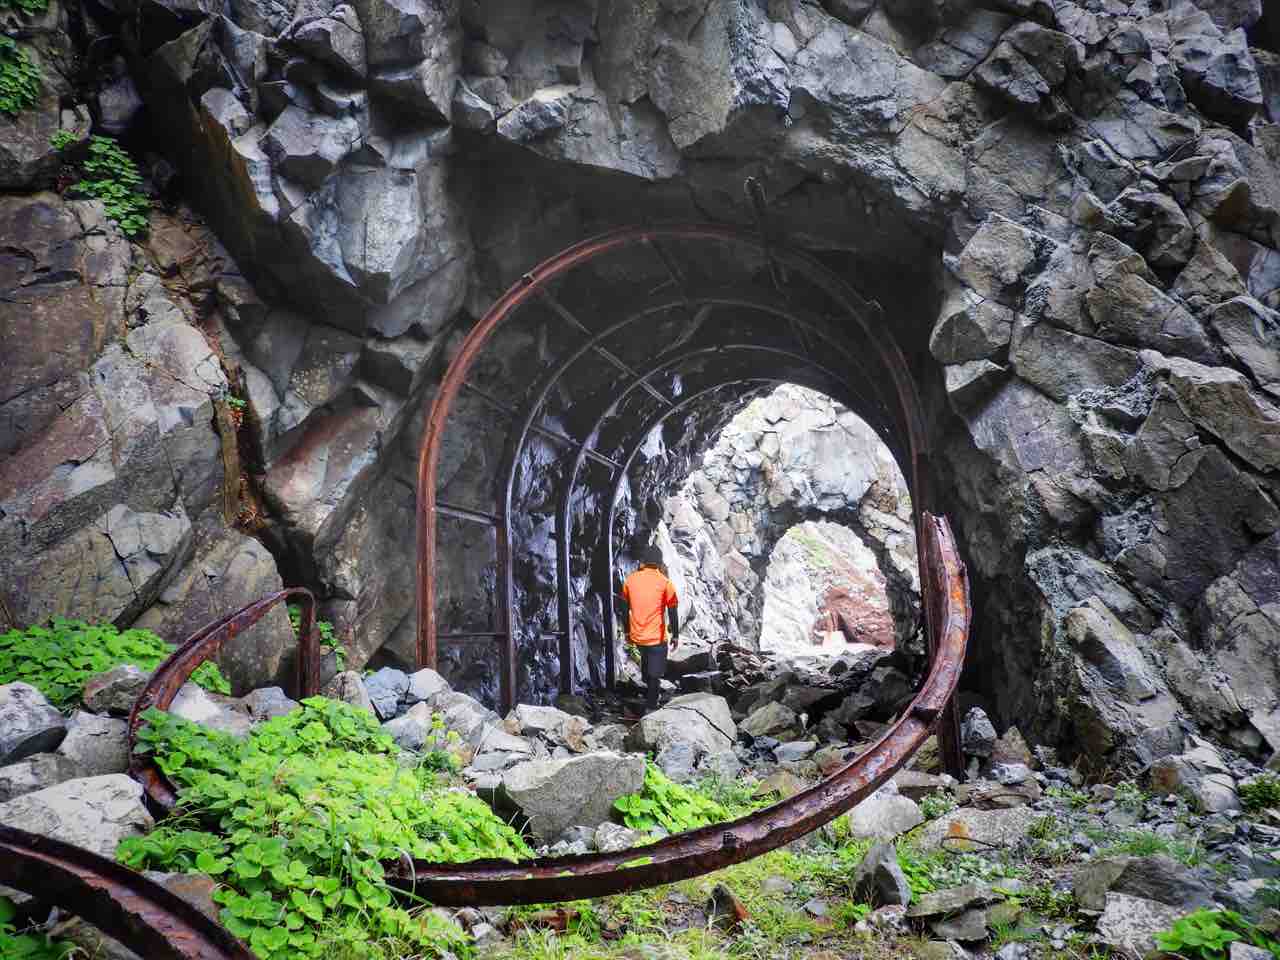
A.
pixel 847 300
pixel 564 528
pixel 124 904
pixel 711 848
pixel 169 677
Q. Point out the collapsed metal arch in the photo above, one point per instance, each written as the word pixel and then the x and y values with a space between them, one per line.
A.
pixel 903 417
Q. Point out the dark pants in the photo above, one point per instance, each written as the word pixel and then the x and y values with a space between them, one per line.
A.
pixel 653 666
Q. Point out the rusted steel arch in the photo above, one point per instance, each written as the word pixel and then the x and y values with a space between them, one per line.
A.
pixel 122 903
pixel 169 677
pixel 865 314
pixel 564 528
pixel 702 298
pixel 608 559
pixel 720 845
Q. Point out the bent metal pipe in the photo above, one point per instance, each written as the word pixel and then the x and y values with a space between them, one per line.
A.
pixel 148 919
pixel 169 677
pixel 675 858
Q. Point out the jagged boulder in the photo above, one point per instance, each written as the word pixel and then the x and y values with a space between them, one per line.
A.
pixel 29 724
pixel 556 794
pixel 96 745
pixel 702 720
pixel 93 812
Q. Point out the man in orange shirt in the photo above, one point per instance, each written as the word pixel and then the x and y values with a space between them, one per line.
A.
pixel 647 595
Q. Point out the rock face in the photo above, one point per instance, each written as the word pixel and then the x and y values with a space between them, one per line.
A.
pixel 113 488
pixel 749 563
pixel 1068 215
pixel 577 791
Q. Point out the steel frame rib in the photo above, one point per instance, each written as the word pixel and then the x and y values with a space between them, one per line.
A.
pixel 553 435
pixel 620 365
pixel 122 903
pixel 205 643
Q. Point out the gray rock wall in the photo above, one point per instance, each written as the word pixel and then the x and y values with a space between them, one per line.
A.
pixel 1070 212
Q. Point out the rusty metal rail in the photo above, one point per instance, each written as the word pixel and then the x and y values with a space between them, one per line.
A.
pixel 169 677
pixel 712 848
pixel 148 919
pixel 675 858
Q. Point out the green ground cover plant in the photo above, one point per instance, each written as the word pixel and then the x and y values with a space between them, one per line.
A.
pixel 59 658
pixel 1144 843
pixel 328 639
pixel 25 6
pixel 110 175
pixel 20 79
pixel 295 822
pixel 1262 793
pixel 664 803
pixel 27 946
pixel 937 804
pixel 1208 934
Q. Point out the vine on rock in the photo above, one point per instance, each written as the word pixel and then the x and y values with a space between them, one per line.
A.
pixel 20 79
pixel 110 175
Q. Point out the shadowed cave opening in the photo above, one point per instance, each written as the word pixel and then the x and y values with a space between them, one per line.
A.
pixel 593 401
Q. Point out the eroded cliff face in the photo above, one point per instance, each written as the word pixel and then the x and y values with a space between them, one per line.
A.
pixel 1069 210
pixel 788 457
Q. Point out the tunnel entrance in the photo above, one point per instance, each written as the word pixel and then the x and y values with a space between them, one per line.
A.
pixel 584 391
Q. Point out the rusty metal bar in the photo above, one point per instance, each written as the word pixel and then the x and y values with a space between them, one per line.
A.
pixel 148 919
pixel 169 677
pixel 466 513
pixel 554 435
pixel 618 363
pixel 712 848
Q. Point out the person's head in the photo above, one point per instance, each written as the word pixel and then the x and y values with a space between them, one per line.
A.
pixel 651 557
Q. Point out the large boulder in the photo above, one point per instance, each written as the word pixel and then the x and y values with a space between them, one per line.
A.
pixel 879 879
pixel 211 710
pixel 97 745
pixel 1157 878
pixel 989 827
pixel 115 691
pixel 29 724
pixel 771 720
pixel 700 719
pixel 579 791
pixel 884 815
pixel 1200 773
pixel 94 812
pixel 1129 925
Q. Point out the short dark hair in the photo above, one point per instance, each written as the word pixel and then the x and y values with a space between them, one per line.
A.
pixel 651 556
